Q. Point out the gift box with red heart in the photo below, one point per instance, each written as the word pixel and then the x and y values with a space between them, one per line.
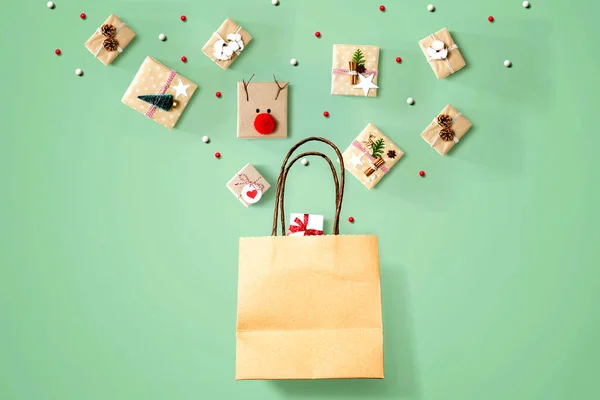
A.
pixel 248 185
pixel 305 225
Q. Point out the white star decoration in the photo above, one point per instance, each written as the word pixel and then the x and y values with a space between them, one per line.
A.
pixel 355 160
pixel 180 89
pixel 366 83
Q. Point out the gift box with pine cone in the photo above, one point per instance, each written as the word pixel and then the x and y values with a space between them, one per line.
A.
pixel 159 93
pixel 110 39
pixel 355 70
pixel 446 129
pixel 371 156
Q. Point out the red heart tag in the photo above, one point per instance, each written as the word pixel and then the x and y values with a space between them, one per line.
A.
pixel 252 194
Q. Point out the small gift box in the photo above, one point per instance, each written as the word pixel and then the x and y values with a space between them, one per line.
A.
pixel 371 155
pixel 248 185
pixel 305 225
pixel 446 129
pixel 226 44
pixel 354 70
pixel 262 109
pixel 159 93
pixel 110 39
pixel 442 53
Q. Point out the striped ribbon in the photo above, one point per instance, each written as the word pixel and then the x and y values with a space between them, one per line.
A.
pixel 359 146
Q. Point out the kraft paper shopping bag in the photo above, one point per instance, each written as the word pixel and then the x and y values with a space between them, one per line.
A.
pixel 309 307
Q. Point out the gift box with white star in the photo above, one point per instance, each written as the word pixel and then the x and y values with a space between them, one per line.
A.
pixel 371 156
pixel 159 93
pixel 355 70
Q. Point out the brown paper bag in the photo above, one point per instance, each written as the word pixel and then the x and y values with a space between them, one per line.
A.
pixel 309 307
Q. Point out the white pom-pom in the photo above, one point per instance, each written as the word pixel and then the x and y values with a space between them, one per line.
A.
pixel 162 37
pixel 293 61
pixel 205 139
pixel 50 5
pixel 410 101
pixel 78 72
pixel 304 161
pixel 526 4
pixel 431 8
pixel 507 63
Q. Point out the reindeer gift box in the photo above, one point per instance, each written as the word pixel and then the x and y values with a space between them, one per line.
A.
pixel 262 109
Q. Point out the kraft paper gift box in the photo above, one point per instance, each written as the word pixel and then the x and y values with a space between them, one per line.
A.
pixel 166 92
pixel 446 129
pixel 309 307
pixel 262 110
pixel 305 225
pixel 248 185
pixel 442 53
pixel 226 44
pixel 355 70
pixel 371 156
pixel 110 39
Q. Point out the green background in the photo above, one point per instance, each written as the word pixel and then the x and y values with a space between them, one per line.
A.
pixel 119 238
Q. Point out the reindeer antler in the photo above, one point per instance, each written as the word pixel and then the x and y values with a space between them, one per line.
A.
pixel 280 87
pixel 246 87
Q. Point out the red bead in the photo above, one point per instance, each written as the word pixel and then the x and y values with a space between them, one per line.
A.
pixel 351 219
pixel 326 114
pixel 82 16
pixel 57 52
pixel 218 94
pixel 184 59
pixel 398 59
pixel 422 173
pixel 218 155
pixel 318 34
pixel 491 19
pixel 183 18
pixel 381 8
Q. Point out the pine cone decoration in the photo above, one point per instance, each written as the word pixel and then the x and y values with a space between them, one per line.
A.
pixel 360 69
pixel 108 30
pixel 110 44
pixel 444 120
pixel 447 134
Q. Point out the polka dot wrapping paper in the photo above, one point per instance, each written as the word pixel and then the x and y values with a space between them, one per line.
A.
pixel 155 78
pixel 344 74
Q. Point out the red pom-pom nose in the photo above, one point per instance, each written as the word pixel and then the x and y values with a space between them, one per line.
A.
pixel 264 124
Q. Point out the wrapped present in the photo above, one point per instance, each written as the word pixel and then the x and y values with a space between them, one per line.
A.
pixel 355 70
pixel 305 225
pixel 226 44
pixel 159 93
pixel 248 185
pixel 262 109
pixel 446 129
pixel 110 39
pixel 370 156
pixel 442 53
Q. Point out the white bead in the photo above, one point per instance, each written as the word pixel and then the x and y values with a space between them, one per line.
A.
pixel 275 2
pixel 293 61
pixel 410 101
pixel 50 4
pixel 205 139
pixel 304 161
pixel 507 63
pixel 526 4
pixel 78 72
pixel 430 8
pixel 162 37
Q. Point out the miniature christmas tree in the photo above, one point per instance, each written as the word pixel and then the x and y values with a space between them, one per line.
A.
pixel 162 101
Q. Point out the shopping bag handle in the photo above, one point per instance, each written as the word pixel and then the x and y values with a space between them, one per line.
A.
pixel 339 184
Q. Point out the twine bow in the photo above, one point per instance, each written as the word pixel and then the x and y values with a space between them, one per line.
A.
pixel 244 180
pixel 110 43
pixel 438 51
pixel 301 226
pixel 446 133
